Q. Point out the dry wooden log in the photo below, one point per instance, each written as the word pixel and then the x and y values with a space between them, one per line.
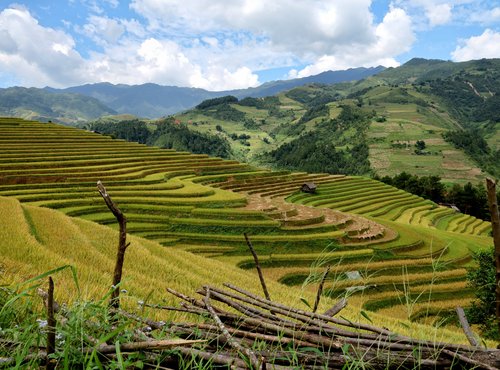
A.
pixel 246 310
pixel 151 323
pixel 469 361
pixel 388 335
pixel 342 322
pixel 195 302
pixel 249 354
pixel 215 358
pixel 306 317
pixel 122 245
pixel 248 334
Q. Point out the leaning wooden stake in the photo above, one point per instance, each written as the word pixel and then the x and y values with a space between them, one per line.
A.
pixel 465 326
pixel 495 225
pixel 122 245
pixel 51 325
pixel 257 265
pixel 320 288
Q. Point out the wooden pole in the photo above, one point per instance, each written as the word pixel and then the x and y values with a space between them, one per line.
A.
pixel 257 265
pixel 495 225
pixel 320 288
pixel 466 327
pixel 51 325
pixel 122 245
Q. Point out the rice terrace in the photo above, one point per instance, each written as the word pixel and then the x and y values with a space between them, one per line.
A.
pixel 397 258
pixel 247 184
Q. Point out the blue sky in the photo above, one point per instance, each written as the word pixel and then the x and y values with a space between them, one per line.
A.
pixel 226 44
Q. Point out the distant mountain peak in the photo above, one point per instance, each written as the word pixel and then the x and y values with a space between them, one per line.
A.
pixel 423 61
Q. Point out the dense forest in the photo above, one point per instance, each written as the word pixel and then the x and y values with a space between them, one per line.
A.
pixel 165 134
pixel 336 146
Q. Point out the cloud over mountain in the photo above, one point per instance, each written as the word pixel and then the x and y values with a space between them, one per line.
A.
pixel 220 45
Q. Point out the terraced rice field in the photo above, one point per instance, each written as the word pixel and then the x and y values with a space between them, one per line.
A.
pixel 203 205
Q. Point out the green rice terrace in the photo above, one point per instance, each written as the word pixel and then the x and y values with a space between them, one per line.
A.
pixel 384 245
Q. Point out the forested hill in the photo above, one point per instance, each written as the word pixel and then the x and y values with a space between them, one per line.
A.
pixel 39 104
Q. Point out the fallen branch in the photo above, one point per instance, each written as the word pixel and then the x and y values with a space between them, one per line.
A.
pixel 143 346
pixel 233 343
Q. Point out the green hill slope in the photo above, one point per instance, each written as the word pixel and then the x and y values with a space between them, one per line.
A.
pixel 43 105
pixel 440 103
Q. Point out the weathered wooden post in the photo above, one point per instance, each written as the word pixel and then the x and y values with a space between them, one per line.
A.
pixel 495 225
pixel 122 245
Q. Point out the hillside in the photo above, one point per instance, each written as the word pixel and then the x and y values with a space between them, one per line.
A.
pixel 42 105
pixel 453 114
pixel 203 205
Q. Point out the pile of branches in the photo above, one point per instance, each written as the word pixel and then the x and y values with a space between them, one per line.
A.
pixel 247 331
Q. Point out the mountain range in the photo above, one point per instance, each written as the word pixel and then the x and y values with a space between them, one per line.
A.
pixel 87 102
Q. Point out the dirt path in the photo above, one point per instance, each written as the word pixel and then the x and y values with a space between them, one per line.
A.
pixel 359 229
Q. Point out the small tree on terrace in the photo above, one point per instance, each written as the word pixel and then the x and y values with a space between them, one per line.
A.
pixel 420 145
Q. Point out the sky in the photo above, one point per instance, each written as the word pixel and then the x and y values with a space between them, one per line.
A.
pixel 228 44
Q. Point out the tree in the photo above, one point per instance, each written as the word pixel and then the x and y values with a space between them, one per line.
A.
pixel 420 145
pixel 482 279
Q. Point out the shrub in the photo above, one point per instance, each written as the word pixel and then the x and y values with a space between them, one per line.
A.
pixel 482 279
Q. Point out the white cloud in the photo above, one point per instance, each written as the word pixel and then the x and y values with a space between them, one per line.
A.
pixel 438 14
pixel 41 56
pixel 486 16
pixel 219 79
pixel 431 13
pixel 103 29
pixel 392 37
pixel 486 45
pixel 299 26
pixel 35 54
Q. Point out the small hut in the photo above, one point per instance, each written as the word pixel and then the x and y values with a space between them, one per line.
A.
pixel 309 187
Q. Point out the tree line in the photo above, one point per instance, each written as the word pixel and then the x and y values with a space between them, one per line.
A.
pixel 469 199
pixel 165 134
